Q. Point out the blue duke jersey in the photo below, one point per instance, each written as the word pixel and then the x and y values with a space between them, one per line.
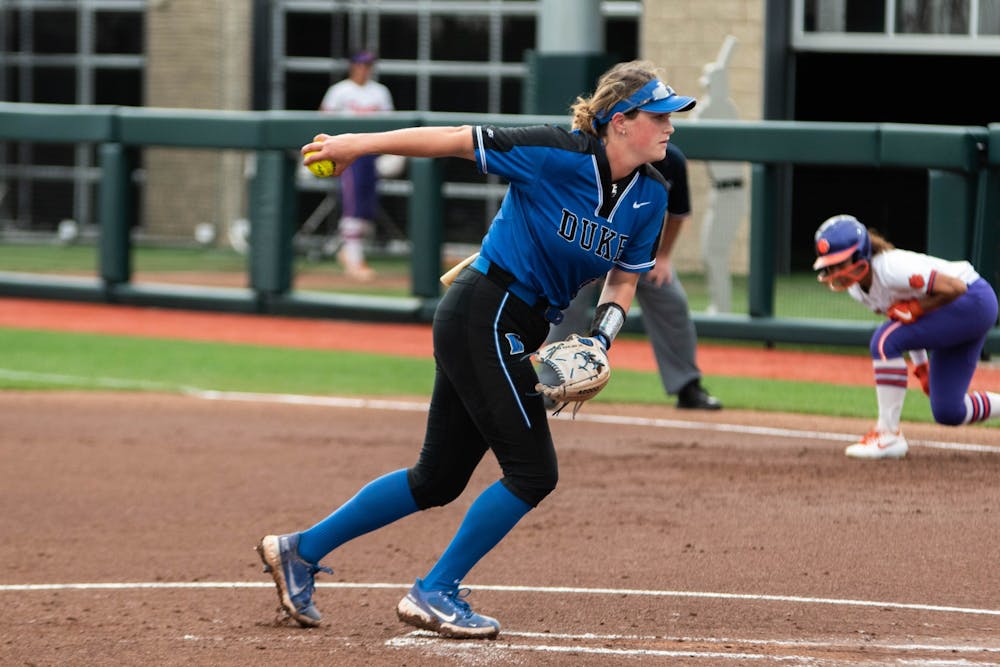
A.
pixel 563 222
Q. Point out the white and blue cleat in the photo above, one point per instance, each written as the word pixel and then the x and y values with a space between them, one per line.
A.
pixel 293 576
pixel 446 613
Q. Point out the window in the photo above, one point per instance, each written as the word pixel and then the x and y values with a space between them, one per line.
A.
pixel 434 55
pixel 423 45
pixel 932 17
pixel 900 26
pixel 989 17
pixel 79 52
pixel 845 16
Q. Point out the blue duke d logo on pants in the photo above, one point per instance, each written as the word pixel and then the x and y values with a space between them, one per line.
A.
pixel 516 346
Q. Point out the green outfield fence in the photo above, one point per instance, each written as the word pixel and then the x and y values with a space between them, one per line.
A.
pixel 963 166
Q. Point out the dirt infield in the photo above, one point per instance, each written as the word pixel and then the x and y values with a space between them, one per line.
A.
pixel 674 538
pixel 129 524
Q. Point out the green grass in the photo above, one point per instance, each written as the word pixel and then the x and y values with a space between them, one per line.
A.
pixel 73 259
pixel 83 360
pixel 55 360
pixel 172 365
pixel 55 259
pixel 797 295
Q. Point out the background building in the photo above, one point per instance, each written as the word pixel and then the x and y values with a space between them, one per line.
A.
pixel 833 60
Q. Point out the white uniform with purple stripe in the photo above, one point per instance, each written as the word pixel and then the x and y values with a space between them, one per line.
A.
pixel 360 180
pixel 952 334
pixel 899 275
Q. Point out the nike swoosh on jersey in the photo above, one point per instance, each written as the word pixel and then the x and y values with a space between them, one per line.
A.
pixel 639 204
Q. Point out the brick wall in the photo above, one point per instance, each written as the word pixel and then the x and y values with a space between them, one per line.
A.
pixel 198 57
pixel 682 36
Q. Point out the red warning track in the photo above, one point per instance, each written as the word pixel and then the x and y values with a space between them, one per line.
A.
pixel 413 340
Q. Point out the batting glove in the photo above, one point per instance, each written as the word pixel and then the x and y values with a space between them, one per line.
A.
pixel 923 373
pixel 905 312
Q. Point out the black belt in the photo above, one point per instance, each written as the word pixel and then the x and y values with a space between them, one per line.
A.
pixel 507 281
pixel 728 185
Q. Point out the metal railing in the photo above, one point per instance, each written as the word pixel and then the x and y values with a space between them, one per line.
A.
pixel 963 203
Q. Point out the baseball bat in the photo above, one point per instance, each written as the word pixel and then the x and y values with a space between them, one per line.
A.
pixel 449 276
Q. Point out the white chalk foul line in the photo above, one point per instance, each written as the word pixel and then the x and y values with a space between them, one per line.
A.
pixel 423 639
pixel 427 640
pixel 375 404
pixel 412 406
pixel 550 590
pixel 790 643
pixel 769 431
pixel 101 382
pixel 418 642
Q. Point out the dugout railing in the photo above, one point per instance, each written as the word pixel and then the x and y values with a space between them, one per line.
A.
pixel 963 204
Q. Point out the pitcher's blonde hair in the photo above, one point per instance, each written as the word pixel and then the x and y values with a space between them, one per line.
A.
pixel 615 85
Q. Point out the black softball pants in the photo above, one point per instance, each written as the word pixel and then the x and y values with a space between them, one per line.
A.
pixel 484 396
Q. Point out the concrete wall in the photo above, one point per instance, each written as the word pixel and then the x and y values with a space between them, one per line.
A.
pixel 682 36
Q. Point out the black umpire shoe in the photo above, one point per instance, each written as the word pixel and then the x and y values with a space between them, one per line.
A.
pixel 694 397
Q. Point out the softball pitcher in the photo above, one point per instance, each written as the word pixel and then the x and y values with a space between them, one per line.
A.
pixel 939 311
pixel 580 204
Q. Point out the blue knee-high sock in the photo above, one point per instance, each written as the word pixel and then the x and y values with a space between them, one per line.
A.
pixel 491 516
pixel 378 503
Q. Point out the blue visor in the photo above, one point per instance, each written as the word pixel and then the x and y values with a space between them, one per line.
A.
pixel 654 97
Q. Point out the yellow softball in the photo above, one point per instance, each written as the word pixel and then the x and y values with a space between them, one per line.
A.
pixel 323 168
